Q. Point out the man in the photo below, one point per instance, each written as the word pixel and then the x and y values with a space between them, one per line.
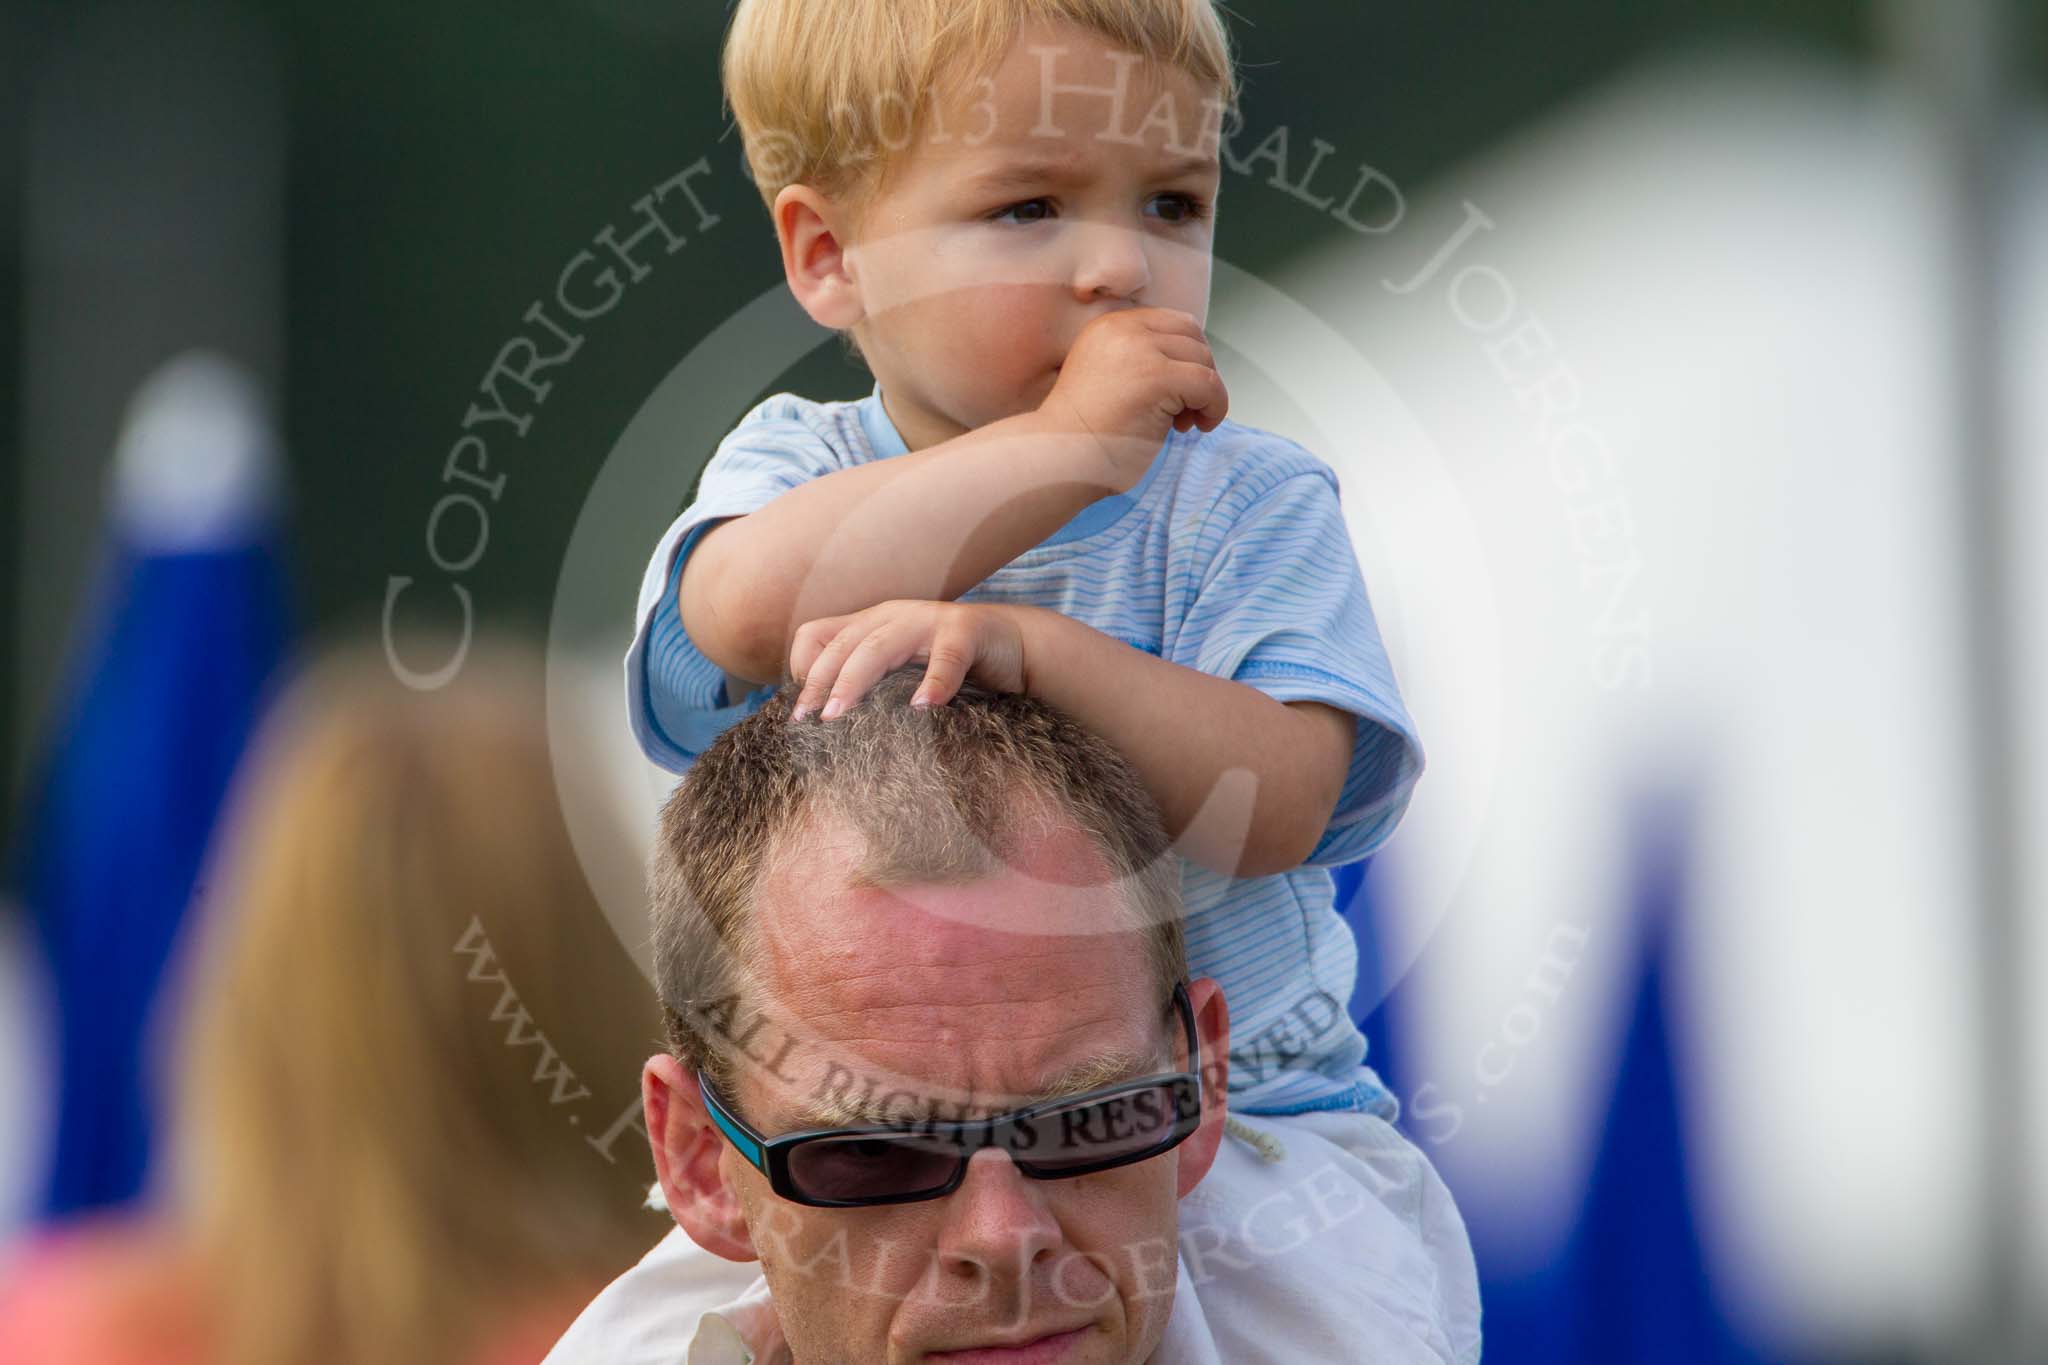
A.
pixel 956 931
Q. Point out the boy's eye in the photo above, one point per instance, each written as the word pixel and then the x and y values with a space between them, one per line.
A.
pixel 1185 208
pixel 1002 214
pixel 1188 209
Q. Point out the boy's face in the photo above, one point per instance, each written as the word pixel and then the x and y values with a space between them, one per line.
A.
pixel 1033 203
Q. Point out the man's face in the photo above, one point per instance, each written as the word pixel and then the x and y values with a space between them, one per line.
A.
pixel 1042 208
pixel 983 996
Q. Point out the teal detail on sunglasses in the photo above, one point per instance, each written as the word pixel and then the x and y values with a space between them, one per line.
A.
pixel 1112 1126
pixel 735 1132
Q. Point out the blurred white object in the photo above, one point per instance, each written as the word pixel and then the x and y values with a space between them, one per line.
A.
pixel 152 220
pixel 1732 268
pixel 197 463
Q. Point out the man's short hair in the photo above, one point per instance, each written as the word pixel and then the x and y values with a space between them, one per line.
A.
pixel 827 92
pixel 938 794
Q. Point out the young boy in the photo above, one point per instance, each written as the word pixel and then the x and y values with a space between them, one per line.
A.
pixel 1008 207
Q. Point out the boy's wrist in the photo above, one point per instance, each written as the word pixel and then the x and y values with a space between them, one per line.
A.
pixel 1067 455
pixel 1047 643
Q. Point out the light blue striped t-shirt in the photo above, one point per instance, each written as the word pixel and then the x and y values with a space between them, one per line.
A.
pixel 1230 556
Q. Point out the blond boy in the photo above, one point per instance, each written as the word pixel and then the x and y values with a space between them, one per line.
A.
pixel 1007 208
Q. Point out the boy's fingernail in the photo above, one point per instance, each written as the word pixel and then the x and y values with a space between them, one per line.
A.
pixel 797 713
pixel 921 699
pixel 832 709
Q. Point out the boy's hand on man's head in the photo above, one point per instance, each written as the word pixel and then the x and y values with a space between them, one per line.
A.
pixel 838 658
pixel 1132 376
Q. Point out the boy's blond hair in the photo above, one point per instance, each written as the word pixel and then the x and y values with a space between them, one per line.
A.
pixel 827 92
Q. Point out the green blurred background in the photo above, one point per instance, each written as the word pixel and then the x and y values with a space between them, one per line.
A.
pixel 443 161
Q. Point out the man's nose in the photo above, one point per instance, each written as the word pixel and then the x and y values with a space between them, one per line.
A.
pixel 998 1223
pixel 1112 262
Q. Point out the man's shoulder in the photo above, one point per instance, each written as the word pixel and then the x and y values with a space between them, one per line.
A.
pixel 654 1311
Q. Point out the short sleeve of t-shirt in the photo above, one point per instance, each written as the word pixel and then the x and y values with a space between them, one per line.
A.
pixel 1282 607
pixel 675 697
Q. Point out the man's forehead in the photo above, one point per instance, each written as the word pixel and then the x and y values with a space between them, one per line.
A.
pixel 1048 886
pixel 946 1061
pixel 1003 983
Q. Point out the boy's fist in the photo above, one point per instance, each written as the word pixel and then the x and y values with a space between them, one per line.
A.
pixel 1131 377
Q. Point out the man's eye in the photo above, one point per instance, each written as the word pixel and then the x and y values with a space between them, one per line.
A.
pixel 1022 207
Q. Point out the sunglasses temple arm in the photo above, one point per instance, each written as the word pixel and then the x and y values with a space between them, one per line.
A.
pixel 744 1140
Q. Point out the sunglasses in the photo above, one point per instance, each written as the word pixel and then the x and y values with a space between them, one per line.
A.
pixel 846 1168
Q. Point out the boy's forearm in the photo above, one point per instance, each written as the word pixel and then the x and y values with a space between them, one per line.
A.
pixel 1245 783
pixel 929 525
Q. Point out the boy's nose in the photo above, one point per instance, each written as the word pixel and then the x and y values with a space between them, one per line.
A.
pixel 1112 263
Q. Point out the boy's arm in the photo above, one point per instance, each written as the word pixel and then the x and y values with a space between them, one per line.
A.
pixel 932 523
pixel 927 524
pixel 1246 784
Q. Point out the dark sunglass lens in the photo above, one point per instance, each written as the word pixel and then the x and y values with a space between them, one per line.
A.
pixel 871 1167
pixel 1115 1128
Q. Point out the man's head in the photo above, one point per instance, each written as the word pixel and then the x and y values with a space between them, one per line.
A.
pixel 963 185
pixel 913 916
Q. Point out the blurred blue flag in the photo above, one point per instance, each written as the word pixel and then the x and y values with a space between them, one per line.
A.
pixel 1631 1281
pixel 168 675
pixel 1357 901
pixel 1647 1292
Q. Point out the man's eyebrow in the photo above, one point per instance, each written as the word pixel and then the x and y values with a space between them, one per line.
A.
pixel 834 1111
pixel 1039 169
pixel 1094 1073
pixel 1103 1069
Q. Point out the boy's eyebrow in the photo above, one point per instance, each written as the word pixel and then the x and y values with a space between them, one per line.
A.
pixel 1062 168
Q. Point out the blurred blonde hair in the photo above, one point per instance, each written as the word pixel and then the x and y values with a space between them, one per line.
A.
pixel 374 1169
pixel 826 91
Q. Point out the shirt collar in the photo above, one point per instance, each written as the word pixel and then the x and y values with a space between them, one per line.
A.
pixel 881 432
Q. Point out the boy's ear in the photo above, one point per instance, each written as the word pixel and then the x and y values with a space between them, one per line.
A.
pixel 689 1158
pixel 814 233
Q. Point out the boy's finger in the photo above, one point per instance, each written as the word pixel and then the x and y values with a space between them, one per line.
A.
pixel 1206 397
pixel 1175 320
pixel 879 651
pixel 950 659
pixel 810 641
pixel 824 670
pixel 1193 350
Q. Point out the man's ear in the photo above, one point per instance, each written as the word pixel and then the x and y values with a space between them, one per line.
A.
pixel 1212 1029
pixel 814 233
pixel 688 1152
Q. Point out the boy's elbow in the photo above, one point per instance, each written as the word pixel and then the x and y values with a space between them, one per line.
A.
pixel 1285 835
pixel 1283 847
pixel 1309 780
pixel 740 642
pixel 1274 841
pixel 758 653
